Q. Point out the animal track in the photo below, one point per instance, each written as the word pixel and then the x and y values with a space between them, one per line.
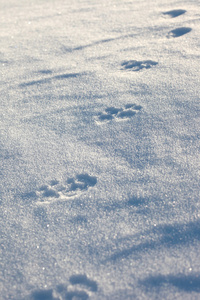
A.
pixel 112 113
pixel 175 13
pixel 83 280
pixel 77 295
pixel 80 288
pixel 42 295
pixel 136 66
pixel 178 32
pixel 72 187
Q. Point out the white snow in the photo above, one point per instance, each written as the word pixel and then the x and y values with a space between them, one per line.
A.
pixel 100 149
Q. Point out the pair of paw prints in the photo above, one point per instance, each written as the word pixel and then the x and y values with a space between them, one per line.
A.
pixel 111 113
pixel 178 32
pixel 71 187
pixel 80 288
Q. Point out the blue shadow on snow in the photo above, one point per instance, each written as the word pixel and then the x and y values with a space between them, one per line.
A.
pixel 188 283
pixel 175 13
pixel 165 236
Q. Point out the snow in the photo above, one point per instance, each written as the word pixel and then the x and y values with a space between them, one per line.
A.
pixel 99 149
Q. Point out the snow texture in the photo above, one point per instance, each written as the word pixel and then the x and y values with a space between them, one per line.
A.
pixel 99 149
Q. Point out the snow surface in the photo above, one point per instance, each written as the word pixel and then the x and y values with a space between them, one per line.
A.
pixel 100 149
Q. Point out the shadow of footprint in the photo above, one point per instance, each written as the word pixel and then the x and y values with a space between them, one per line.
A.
pixel 80 286
pixel 112 110
pixel 81 182
pixel 76 295
pixel 105 117
pixel 174 13
pixel 61 292
pixel 79 289
pixel 42 295
pixel 47 193
pixel 178 32
pixel 126 114
pixel 136 66
pixel 85 281
pixel 136 202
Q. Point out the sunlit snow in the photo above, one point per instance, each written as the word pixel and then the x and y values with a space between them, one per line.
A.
pixel 100 149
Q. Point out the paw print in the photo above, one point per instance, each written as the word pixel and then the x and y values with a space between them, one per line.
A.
pixel 72 187
pixel 111 113
pixel 135 65
pixel 80 288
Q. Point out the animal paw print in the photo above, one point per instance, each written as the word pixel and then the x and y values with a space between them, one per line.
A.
pixel 128 111
pixel 136 66
pixel 42 295
pixel 80 288
pixel 174 13
pixel 178 32
pixel 72 187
